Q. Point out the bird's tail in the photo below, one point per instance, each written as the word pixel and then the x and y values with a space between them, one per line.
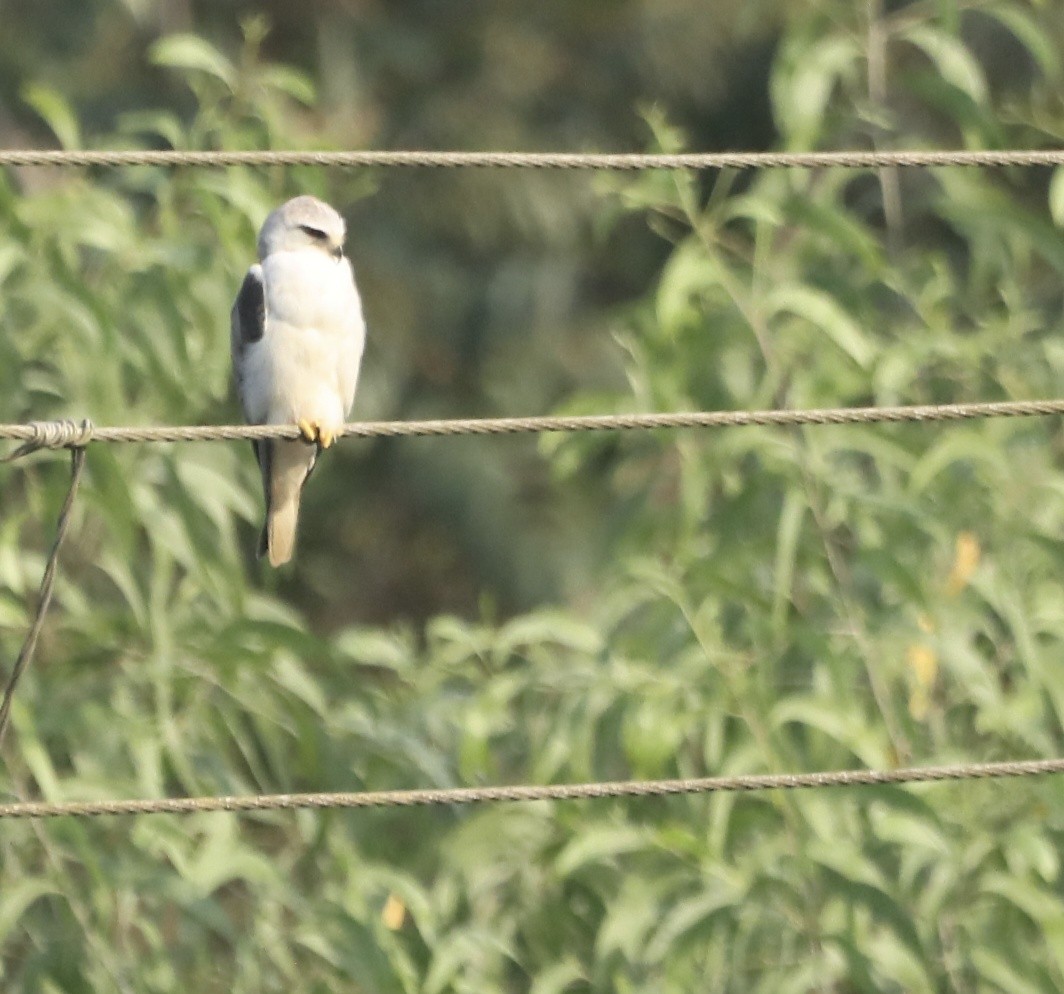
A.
pixel 278 538
pixel 290 464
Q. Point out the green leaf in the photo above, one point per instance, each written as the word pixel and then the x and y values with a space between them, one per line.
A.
pixel 1002 969
pixel 558 978
pixel 629 919
pixel 1037 41
pixel 1056 197
pixel 193 54
pixel 291 82
pixel 687 276
pixel 690 918
pixel 852 877
pixel 952 59
pixel 54 109
pixel 848 727
pixel 550 628
pixel 162 124
pixel 1042 906
pixel 804 81
pixel 790 524
pixel 822 310
pixel 601 844
pixel 15 899
pixel 964 448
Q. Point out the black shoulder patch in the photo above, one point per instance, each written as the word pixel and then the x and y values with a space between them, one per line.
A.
pixel 251 308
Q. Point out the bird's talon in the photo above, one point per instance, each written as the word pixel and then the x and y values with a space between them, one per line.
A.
pixel 326 437
pixel 309 430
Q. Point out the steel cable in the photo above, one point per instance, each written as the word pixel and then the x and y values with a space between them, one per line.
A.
pixel 548 792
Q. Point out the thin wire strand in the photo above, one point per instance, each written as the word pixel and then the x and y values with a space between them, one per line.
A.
pixel 536 160
pixel 25 656
pixel 60 434
pixel 550 792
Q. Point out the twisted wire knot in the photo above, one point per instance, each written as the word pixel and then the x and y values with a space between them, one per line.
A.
pixel 65 434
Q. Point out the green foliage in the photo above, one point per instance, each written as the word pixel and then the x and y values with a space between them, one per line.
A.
pixel 764 601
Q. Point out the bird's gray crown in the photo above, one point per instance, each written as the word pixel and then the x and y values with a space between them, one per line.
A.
pixel 303 222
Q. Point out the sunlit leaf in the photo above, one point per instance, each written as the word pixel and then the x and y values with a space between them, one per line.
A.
pixel 56 112
pixel 190 52
pixel 951 57
pixel 821 310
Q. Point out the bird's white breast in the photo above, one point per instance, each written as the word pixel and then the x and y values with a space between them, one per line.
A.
pixel 306 364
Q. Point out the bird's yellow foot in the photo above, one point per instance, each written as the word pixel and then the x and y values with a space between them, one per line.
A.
pixel 314 433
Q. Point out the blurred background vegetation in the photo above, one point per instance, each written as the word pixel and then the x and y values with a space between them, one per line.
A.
pixel 482 611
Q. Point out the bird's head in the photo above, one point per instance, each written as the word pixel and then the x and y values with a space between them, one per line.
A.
pixel 303 223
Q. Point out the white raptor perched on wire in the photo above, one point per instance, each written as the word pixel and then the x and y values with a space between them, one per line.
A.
pixel 297 338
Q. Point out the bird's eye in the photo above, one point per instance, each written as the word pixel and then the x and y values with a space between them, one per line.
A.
pixel 315 233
